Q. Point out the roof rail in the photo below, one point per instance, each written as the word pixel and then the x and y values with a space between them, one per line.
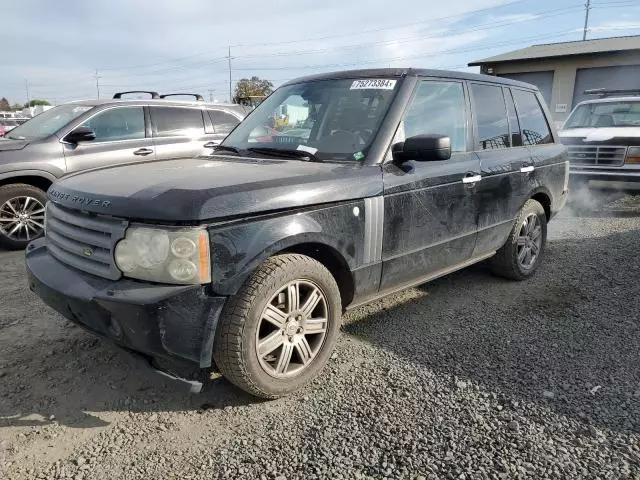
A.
pixel 153 94
pixel 603 92
pixel 197 96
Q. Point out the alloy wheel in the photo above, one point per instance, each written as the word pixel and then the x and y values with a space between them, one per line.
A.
pixel 22 218
pixel 529 241
pixel 292 329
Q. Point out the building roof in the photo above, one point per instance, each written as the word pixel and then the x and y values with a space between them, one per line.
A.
pixel 566 49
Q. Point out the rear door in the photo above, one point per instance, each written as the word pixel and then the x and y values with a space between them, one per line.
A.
pixel 121 137
pixel 548 158
pixel 178 131
pixel 503 162
pixel 430 208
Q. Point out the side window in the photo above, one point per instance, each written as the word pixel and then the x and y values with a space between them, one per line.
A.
pixel 223 122
pixel 437 108
pixel 122 123
pixel 491 117
pixel 535 130
pixel 514 125
pixel 177 122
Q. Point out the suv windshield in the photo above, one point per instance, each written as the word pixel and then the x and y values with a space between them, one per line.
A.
pixel 48 122
pixel 330 119
pixel 606 114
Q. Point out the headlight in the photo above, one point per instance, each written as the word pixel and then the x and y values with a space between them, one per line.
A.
pixel 633 155
pixel 165 255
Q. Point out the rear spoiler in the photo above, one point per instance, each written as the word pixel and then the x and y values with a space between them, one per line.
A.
pixel 603 92
pixel 197 96
pixel 153 94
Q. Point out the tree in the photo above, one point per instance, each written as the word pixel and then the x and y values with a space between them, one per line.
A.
pixel 4 104
pixel 35 102
pixel 252 87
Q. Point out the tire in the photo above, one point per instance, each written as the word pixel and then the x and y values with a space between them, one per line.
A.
pixel 508 261
pixel 294 333
pixel 21 199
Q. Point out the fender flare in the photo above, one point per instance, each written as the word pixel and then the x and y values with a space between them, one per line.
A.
pixel 28 173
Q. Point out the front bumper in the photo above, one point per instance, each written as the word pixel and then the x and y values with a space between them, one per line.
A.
pixel 166 324
pixel 605 175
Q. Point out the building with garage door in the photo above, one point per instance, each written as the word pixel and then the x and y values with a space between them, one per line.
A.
pixel 563 71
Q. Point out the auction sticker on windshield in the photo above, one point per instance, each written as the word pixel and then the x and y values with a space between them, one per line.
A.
pixel 376 83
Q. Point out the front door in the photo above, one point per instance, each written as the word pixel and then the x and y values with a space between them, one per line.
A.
pixel 504 163
pixel 430 208
pixel 179 132
pixel 120 138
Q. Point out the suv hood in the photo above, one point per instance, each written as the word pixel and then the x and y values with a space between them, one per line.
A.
pixel 603 136
pixel 7 144
pixel 206 188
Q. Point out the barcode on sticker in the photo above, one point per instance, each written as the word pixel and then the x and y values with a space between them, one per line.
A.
pixel 375 83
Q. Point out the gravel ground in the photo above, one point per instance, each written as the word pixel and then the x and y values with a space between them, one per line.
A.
pixel 467 377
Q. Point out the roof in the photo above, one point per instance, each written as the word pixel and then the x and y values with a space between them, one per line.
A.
pixel 566 49
pixel 149 101
pixel 408 72
pixel 611 99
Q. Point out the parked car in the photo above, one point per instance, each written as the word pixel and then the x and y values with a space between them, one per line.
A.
pixel 8 124
pixel 94 133
pixel 603 137
pixel 245 261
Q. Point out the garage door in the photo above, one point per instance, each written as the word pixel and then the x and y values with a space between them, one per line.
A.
pixel 542 80
pixel 611 78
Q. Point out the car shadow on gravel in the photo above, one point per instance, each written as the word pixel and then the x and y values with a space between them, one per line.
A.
pixel 78 381
pixel 567 339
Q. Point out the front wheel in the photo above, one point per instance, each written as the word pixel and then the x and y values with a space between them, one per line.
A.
pixel 276 334
pixel 21 215
pixel 520 256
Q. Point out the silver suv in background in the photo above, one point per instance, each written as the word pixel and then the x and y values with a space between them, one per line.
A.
pixel 92 133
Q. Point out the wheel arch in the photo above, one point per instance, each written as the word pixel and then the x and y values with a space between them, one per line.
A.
pixel 316 245
pixel 35 178
pixel 544 198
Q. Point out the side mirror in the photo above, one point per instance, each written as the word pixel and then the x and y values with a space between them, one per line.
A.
pixel 422 148
pixel 80 134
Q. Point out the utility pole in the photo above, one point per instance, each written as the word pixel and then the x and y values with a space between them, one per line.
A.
pixel 211 96
pixel 586 20
pixel 230 95
pixel 26 86
pixel 97 77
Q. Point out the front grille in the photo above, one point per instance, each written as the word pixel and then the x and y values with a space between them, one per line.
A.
pixel 602 155
pixel 84 241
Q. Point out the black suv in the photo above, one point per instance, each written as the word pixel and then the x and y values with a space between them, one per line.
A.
pixel 245 261
pixel 92 133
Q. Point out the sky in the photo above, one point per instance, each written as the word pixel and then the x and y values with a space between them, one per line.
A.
pixel 54 49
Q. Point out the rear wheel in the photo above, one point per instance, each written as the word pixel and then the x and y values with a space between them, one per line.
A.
pixel 520 256
pixel 276 334
pixel 21 214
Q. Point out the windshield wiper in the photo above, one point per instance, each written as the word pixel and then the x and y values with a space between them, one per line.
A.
pixel 226 148
pixel 286 153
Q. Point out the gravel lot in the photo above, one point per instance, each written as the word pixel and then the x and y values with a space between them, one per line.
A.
pixel 467 377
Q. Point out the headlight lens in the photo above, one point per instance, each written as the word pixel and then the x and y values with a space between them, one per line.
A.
pixel 165 255
pixel 633 155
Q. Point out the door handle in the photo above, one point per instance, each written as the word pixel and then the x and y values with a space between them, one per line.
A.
pixel 211 144
pixel 527 169
pixel 472 179
pixel 143 151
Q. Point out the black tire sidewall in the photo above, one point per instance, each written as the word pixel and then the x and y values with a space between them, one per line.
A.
pixel 8 192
